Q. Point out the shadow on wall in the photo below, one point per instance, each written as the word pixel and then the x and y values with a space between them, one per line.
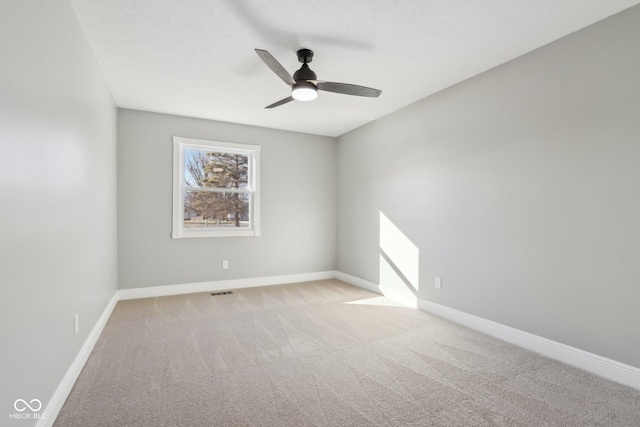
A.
pixel 399 258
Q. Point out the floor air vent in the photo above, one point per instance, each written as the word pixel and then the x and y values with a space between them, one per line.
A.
pixel 215 294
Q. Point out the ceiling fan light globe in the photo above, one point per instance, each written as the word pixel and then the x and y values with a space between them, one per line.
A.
pixel 304 92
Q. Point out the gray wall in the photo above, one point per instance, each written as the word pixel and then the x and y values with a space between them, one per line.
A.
pixel 58 197
pixel 298 205
pixel 521 189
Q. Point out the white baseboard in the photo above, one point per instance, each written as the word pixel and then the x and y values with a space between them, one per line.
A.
pixel 221 285
pixel 602 366
pixel 607 368
pixel 405 298
pixel 64 388
pixel 356 281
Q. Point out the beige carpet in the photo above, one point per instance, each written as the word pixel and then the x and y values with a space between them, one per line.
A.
pixel 323 354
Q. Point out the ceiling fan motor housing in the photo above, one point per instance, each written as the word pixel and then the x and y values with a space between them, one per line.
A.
pixel 304 73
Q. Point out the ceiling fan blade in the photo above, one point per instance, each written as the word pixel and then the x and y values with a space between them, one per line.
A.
pixel 275 66
pixel 348 89
pixel 281 102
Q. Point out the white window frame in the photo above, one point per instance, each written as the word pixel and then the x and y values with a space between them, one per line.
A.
pixel 181 144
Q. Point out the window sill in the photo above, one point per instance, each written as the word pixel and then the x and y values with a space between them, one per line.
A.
pixel 186 234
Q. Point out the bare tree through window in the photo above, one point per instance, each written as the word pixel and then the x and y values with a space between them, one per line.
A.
pixel 217 189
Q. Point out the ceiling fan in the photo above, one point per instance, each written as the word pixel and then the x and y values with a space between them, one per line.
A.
pixel 305 84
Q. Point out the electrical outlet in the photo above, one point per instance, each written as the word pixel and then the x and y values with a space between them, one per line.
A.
pixel 225 265
pixel 76 324
pixel 438 283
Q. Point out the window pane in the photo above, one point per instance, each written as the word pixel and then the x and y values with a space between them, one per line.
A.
pixel 205 209
pixel 215 169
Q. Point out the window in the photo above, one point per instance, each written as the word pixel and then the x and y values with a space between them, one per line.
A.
pixel 216 189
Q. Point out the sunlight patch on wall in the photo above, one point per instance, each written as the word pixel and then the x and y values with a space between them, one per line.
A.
pixel 389 276
pixel 399 255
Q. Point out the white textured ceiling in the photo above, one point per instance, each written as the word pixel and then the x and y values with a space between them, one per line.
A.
pixel 196 57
